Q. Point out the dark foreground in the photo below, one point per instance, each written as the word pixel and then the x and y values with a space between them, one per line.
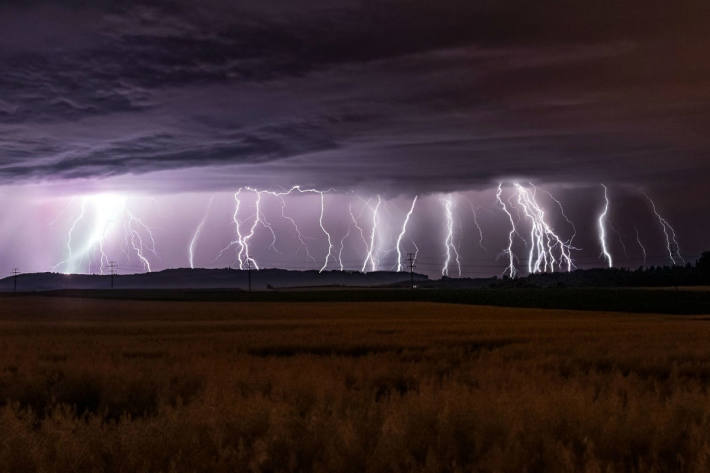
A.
pixel 683 300
pixel 124 385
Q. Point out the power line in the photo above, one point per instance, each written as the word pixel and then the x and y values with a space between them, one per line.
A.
pixel 113 266
pixel 15 273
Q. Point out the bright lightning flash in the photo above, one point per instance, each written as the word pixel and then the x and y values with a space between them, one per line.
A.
pixel 449 245
pixel 104 214
pixel 403 232
pixel 544 242
pixel 601 222
pixel 512 272
pixel 369 257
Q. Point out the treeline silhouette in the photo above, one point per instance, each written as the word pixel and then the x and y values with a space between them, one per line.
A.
pixel 697 274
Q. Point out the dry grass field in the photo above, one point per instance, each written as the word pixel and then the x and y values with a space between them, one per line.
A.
pixel 128 386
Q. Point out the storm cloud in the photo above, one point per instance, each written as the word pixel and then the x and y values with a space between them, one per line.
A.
pixel 425 96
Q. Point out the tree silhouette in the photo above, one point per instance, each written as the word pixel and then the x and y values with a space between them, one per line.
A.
pixel 703 265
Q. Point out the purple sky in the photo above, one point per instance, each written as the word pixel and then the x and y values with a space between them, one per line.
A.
pixel 166 104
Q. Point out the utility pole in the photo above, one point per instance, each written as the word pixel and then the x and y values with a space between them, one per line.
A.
pixel 113 266
pixel 410 260
pixel 249 273
pixel 15 272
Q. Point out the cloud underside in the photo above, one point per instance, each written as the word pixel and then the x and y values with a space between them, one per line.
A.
pixel 398 93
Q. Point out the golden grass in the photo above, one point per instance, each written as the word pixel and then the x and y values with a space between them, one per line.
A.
pixel 122 386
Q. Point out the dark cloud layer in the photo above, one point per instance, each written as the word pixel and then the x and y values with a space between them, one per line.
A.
pixel 423 95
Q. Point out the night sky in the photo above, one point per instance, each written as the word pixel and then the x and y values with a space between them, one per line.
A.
pixel 157 112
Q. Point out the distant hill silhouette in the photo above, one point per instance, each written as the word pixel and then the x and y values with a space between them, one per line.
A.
pixel 185 278
pixel 688 275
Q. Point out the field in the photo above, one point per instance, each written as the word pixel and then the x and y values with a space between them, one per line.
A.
pixel 159 386
pixel 683 300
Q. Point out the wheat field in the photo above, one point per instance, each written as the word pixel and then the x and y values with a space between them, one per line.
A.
pixel 150 386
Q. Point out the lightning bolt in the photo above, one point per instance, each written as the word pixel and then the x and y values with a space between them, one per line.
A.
pixel 342 246
pixel 620 239
pixel 359 228
pixel 237 227
pixel 137 241
pixel 512 272
pixel 536 238
pixel 401 233
pixel 449 240
pixel 262 220
pixel 196 235
pixel 321 221
pixel 299 234
pixel 544 241
pixel 322 227
pixel 643 248
pixel 252 230
pixel 239 241
pixel 70 235
pixel 601 222
pixel 103 260
pixel 108 211
pixel 669 233
pixel 476 224
pixel 370 249
pixel 564 216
